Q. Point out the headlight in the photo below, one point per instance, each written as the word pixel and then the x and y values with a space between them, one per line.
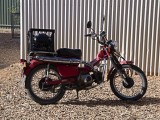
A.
pixel 115 44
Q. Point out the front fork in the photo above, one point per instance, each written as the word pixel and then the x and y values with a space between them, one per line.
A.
pixel 119 68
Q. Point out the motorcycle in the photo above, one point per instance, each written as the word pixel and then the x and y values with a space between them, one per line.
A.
pixel 47 77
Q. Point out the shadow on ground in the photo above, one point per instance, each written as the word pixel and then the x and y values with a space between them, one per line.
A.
pixel 98 102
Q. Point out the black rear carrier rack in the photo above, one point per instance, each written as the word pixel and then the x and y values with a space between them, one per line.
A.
pixel 41 42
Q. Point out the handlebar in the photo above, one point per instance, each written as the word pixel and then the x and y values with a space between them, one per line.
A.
pixel 88 35
pixel 96 37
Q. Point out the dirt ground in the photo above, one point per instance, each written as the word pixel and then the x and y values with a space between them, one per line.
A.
pixel 96 104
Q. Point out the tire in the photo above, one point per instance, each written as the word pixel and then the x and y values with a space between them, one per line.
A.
pixel 136 75
pixel 36 95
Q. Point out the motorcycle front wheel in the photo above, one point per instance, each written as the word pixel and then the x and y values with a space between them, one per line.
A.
pixel 136 83
pixel 39 90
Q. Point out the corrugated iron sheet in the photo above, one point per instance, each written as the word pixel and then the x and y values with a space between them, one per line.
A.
pixel 6 8
pixel 135 24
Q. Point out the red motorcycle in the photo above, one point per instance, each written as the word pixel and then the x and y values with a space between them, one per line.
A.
pixel 47 75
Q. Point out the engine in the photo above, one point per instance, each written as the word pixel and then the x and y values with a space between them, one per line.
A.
pixel 85 80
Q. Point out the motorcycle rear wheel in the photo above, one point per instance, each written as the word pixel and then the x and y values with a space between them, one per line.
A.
pixel 137 83
pixel 35 82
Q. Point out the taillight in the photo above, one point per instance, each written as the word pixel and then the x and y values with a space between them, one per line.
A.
pixel 23 61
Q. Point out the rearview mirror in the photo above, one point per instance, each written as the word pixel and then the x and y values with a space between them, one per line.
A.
pixel 89 24
pixel 103 19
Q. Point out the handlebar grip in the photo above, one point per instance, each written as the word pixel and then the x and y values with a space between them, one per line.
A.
pixel 88 35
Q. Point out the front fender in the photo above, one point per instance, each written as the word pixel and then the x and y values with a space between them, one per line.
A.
pixel 124 62
pixel 113 68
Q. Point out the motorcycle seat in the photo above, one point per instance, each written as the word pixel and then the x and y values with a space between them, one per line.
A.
pixel 69 53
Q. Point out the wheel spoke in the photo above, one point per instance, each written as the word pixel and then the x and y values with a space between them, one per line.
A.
pixel 121 88
pixel 36 78
pixel 132 91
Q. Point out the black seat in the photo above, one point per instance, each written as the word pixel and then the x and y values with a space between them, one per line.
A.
pixel 69 53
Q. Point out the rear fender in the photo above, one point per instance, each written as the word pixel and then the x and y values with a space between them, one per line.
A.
pixel 112 69
pixel 64 70
pixel 26 71
pixel 31 66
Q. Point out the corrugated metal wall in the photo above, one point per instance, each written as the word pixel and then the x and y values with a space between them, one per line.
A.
pixel 6 8
pixel 135 24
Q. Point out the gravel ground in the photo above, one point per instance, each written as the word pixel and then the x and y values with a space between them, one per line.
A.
pixel 98 103
pixel 9 50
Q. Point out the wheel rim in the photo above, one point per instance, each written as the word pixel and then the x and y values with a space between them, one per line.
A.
pixel 37 80
pixel 134 89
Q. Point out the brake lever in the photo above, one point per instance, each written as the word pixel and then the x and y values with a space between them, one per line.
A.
pixel 88 35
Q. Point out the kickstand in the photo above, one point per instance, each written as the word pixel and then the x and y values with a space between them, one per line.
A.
pixel 77 94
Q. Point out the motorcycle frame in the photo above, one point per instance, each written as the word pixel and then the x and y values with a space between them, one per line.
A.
pixel 69 72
